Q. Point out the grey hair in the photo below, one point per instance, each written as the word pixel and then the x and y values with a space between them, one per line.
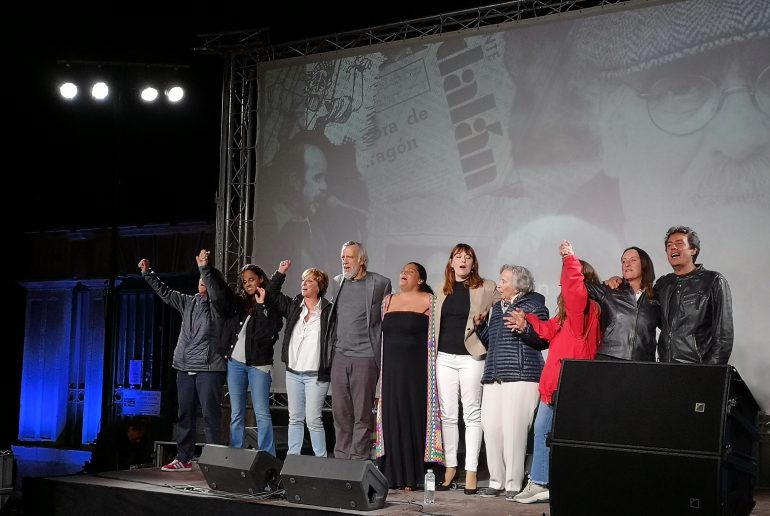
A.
pixel 523 280
pixel 693 240
pixel 363 258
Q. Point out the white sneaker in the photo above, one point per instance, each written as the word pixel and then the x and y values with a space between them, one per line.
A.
pixel 533 493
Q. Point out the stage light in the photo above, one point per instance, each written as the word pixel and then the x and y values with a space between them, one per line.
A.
pixel 175 93
pixel 68 90
pixel 100 90
pixel 149 94
pixel 117 83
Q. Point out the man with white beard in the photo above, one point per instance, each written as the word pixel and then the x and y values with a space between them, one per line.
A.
pixel 683 98
pixel 354 341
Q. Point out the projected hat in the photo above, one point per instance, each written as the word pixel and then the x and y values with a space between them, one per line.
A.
pixel 639 39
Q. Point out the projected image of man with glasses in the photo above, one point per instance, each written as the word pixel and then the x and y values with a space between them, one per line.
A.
pixel 684 107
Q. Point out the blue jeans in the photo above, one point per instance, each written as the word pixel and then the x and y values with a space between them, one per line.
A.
pixel 240 378
pixel 306 399
pixel 204 387
pixel 542 453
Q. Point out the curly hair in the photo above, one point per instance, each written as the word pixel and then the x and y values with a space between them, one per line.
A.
pixel 251 303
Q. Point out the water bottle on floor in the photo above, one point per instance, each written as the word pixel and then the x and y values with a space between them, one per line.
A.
pixel 430 487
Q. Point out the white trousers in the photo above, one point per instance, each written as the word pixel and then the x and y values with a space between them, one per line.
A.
pixel 459 379
pixel 506 417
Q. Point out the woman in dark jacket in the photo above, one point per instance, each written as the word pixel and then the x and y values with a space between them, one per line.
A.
pixel 251 326
pixel 630 313
pixel 303 352
pixel 511 375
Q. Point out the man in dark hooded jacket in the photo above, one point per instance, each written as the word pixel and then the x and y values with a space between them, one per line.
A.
pixel 201 369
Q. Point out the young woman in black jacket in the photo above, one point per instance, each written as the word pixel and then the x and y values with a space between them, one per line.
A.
pixel 250 329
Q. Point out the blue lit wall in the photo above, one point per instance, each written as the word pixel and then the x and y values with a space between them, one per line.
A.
pixel 63 360
pixel 45 371
pixel 91 338
pixel 63 371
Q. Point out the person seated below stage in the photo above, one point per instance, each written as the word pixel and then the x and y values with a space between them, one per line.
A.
pixel 124 444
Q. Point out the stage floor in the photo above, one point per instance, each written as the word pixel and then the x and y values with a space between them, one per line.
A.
pixel 152 491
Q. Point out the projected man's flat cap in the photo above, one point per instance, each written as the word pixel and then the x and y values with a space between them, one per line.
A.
pixel 639 39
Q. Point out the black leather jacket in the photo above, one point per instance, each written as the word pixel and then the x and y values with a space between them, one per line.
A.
pixel 696 317
pixel 628 325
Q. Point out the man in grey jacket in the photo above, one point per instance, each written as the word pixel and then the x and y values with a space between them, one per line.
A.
pixel 354 338
pixel 200 368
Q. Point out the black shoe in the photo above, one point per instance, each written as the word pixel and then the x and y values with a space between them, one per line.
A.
pixel 442 487
pixel 471 491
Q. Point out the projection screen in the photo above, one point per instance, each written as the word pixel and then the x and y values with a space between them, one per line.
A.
pixel 604 130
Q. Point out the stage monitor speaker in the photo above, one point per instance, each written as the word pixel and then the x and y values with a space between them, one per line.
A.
pixel 639 438
pixel 239 470
pixel 338 483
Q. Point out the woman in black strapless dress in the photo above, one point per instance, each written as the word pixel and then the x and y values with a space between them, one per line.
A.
pixel 408 423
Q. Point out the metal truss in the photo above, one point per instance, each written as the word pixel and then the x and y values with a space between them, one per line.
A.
pixel 255 41
pixel 476 18
pixel 237 170
pixel 245 50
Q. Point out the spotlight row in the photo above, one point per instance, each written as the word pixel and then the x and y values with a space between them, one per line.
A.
pixel 101 91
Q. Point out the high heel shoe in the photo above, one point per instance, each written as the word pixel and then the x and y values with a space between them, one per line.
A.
pixel 471 476
pixel 449 476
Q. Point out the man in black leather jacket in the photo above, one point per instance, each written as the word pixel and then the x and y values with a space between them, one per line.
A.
pixel 696 306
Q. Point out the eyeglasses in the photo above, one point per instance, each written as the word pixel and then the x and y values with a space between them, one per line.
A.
pixel 685 104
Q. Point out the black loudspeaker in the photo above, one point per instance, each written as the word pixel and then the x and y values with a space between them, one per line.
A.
pixel 640 438
pixel 338 483
pixel 239 470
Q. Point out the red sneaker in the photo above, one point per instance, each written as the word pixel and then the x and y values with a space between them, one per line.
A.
pixel 177 465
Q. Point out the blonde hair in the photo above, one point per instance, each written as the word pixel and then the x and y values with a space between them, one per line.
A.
pixel 320 277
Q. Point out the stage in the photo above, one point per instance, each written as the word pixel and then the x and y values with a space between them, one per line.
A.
pixel 152 491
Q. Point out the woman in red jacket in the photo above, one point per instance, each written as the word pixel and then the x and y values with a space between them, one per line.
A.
pixel 574 333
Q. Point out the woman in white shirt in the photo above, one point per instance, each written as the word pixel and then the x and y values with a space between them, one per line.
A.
pixel 307 365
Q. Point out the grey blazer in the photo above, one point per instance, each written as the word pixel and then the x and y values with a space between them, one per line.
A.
pixel 377 287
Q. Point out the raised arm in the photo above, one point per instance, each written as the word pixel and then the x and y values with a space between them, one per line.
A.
pixel 171 297
pixel 281 301
pixel 222 297
pixel 573 289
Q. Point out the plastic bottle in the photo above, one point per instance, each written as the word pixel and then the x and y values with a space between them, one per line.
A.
pixel 430 487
